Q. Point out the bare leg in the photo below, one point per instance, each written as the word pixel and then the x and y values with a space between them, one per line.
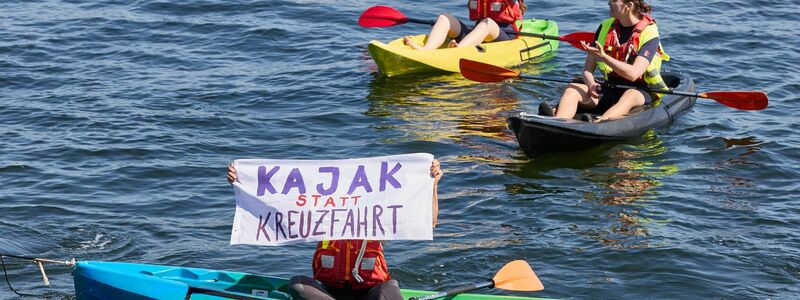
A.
pixel 446 25
pixel 630 99
pixel 485 31
pixel 574 95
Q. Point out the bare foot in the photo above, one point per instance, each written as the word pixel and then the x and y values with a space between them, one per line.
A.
pixel 453 44
pixel 407 40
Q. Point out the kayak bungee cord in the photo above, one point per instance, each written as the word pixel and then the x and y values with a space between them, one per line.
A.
pixel 39 262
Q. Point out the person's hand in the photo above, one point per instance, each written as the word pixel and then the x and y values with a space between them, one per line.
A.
pixel 231 173
pixel 594 90
pixel 436 171
pixel 596 50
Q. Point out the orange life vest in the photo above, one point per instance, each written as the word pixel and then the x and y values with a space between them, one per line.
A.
pixel 501 11
pixel 625 52
pixel 334 264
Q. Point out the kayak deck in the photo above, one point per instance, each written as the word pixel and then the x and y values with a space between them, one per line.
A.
pixel 395 58
pixel 128 281
pixel 539 135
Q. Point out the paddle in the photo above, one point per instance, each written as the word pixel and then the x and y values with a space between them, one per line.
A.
pixel 745 100
pixel 39 261
pixel 514 276
pixel 385 16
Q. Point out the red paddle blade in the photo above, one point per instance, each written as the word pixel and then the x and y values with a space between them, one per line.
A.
pixel 517 276
pixel 482 72
pixel 576 38
pixel 381 16
pixel 746 100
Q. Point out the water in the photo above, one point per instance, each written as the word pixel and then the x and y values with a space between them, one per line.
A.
pixel 118 118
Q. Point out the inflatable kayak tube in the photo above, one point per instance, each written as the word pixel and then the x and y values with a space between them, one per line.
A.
pixel 538 135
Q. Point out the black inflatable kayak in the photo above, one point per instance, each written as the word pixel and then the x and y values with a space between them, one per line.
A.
pixel 538 135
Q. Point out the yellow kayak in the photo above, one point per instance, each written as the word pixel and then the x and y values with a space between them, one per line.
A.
pixel 395 58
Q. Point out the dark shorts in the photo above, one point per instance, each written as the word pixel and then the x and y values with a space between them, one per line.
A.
pixel 503 36
pixel 611 96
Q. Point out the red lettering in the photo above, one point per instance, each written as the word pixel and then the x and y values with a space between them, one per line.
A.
pixel 301 200
pixel 316 198
pixel 330 201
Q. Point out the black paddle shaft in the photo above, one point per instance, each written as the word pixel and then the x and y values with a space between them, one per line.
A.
pixel 455 291
pixel 18 257
pixel 612 85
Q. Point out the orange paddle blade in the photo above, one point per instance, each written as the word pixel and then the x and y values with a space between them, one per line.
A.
pixel 381 16
pixel 576 38
pixel 747 100
pixel 517 276
pixel 483 72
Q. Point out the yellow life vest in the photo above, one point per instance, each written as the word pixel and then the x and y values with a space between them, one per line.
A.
pixel 644 31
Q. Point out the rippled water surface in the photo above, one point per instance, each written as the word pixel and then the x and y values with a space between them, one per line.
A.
pixel 117 119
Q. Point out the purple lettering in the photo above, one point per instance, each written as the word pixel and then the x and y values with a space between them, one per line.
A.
pixel 334 219
pixel 290 223
pixel 334 180
pixel 360 179
pixel 360 223
pixel 319 222
pixel 377 211
pixel 264 178
pixel 307 225
pixel 348 223
pixel 388 177
pixel 279 225
pixel 394 217
pixel 262 227
pixel 294 180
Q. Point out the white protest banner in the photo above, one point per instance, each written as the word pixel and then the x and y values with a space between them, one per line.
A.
pixel 376 198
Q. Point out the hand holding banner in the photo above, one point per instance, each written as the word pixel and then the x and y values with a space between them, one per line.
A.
pixel 377 198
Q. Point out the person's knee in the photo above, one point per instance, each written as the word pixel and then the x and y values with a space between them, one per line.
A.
pixel 489 22
pixel 632 98
pixel 388 290
pixel 297 284
pixel 450 19
pixel 573 93
pixel 392 283
pixel 453 25
pixel 297 279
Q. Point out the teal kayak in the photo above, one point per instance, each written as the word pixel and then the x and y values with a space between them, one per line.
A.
pixel 129 281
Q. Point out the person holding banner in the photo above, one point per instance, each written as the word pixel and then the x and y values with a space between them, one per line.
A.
pixel 351 268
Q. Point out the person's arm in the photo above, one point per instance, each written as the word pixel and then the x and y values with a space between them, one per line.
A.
pixel 589 65
pixel 627 71
pixel 436 173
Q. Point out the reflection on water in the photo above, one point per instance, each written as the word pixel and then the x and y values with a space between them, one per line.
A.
pixel 625 184
pixel 444 108
pixel 734 188
pixel 749 146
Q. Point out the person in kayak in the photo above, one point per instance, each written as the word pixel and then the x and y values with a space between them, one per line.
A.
pixel 335 275
pixel 493 18
pixel 627 51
